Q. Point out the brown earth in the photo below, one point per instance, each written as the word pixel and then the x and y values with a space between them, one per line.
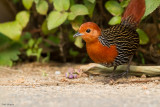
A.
pixel 34 84
pixel 36 74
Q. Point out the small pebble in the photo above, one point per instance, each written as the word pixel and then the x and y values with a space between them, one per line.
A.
pixel 86 79
pixel 147 92
pixel 57 73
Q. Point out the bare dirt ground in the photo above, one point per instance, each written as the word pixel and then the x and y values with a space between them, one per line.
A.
pixel 38 85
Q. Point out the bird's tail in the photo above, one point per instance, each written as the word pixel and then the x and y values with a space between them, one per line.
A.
pixel 134 11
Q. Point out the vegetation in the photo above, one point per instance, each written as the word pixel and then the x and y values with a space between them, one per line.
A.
pixel 43 29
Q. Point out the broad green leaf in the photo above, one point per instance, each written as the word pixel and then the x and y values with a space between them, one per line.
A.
pixel 143 37
pixel 9 51
pixel 55 19
pixel 76 10
pixel 61 5
pixel 27 3
pixel 72 2
pixel 125 3
pixel 23 18
pixel 42 7
pixel 114 7
pixel 79 9
pixel 78 42
pixel 115 20
pixel 90 6
pixel 92 1
pixel 36 1
pixel 12 30
pixel 151 5
pixel 45 29
pixel 71 16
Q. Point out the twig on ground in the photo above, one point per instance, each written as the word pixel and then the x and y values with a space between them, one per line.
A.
pixel 134 70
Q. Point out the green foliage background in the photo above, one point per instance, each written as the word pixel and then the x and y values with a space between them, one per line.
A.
pixel 43 29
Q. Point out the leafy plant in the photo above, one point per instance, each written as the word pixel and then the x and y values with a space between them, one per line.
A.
pixel 51 21
pixel 9 50
pixel 14 29
pixel 33 48
pixel 143 37
pixel 116 9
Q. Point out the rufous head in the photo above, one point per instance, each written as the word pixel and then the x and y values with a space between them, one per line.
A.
pixel 89 31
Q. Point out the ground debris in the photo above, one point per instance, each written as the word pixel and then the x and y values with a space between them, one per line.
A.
pixel 33 75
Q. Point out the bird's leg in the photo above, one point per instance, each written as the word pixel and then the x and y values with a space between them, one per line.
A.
pixel 128 67
pixel 114 69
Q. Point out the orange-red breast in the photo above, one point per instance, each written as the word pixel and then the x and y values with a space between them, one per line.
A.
pixel 116 45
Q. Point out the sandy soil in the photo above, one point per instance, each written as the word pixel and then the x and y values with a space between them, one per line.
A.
pixel 38 85
pixel 35 74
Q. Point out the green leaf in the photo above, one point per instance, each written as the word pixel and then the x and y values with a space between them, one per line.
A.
pixel 55 19
pixel 12 30
pixel 9 51
pixel 76 10
pixel 90 6
pixel 79 9
pixel 142 58
pixel 72 2
pixel 115 20
pixel 114 7
pixel 23 18
pixel 36 1
pixel 42 7
pixel 27 3
pixel 151 5
pixel 61 5
pixel 143 37
pixel 124 3
pixel 78 42
pixel 71 16
pixel 45 28
pixel 34 49
pixel 26 36
pixel 92 1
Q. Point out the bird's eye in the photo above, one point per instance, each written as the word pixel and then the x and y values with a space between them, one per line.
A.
pixel 88 30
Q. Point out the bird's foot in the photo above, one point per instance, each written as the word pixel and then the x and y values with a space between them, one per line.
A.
pixel 123 74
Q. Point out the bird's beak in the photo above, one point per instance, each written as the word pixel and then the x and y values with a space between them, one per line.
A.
pixel 77 34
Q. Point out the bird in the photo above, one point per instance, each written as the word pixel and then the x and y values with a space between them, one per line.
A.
pixel 117 44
